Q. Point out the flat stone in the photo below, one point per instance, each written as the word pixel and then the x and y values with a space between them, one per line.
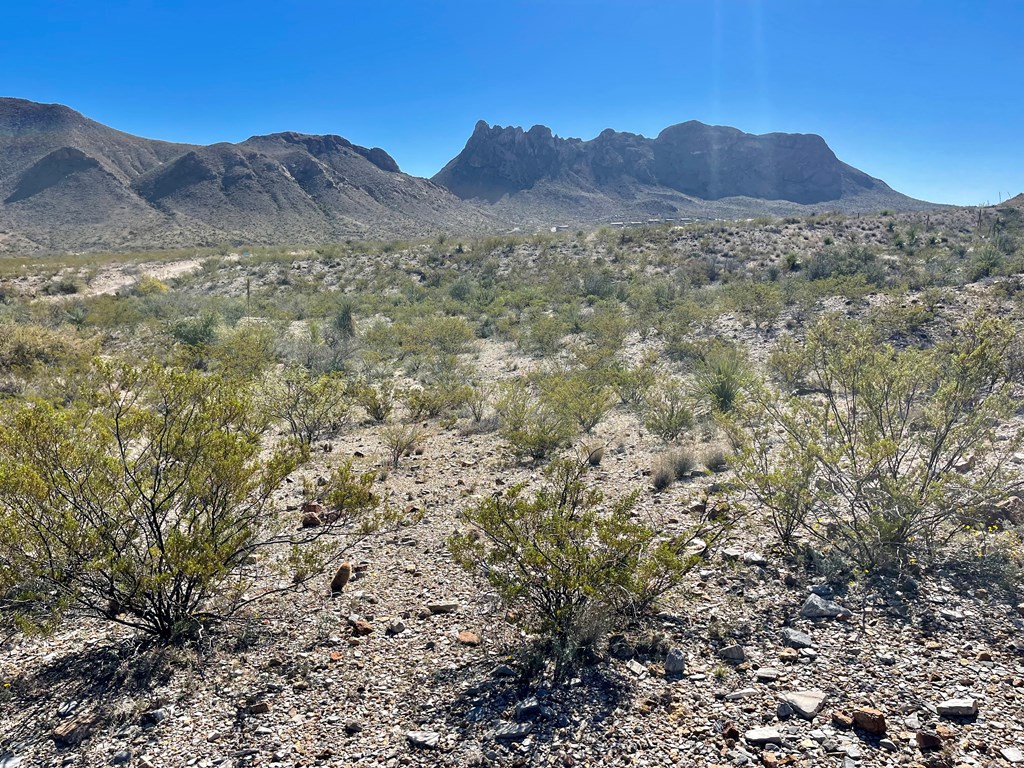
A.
pixel 1012 755
pixel 761 736
pixel 512 731
pixel 794 638
pixel 928 740
pixel 444 606
pixel 423 739
pixel 742 693
pixel 754 558
pixel 528 708
pixel 957 708
pixel 805 703
pixel 767 674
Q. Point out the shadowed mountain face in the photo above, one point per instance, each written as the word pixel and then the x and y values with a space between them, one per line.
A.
pixel 685 164
pixel 67 182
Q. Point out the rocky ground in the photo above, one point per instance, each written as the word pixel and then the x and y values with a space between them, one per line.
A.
pixel 755 661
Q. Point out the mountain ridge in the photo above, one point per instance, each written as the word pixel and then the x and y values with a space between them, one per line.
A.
pixel 70 183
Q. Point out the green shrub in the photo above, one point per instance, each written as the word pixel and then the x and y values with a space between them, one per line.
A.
pixel 573 566
pixel 667 412
pixel 532 426
pixel 400 440
pixel 896 452
pixel 313 407
pixel 147 504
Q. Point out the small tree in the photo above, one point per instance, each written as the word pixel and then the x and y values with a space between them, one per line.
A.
pixel 148 504
pixel 571 565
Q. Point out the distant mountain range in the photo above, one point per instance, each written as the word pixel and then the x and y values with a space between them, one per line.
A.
pixel 69 183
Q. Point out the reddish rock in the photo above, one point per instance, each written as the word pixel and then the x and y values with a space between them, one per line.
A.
pixel 469 638
pixel 869 720
pixel 841 720
pixel 260 708
pixel 361 627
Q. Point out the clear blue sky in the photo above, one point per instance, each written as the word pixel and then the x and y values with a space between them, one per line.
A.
pixel 924 94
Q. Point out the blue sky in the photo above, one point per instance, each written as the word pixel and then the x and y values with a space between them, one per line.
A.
pixel 925 95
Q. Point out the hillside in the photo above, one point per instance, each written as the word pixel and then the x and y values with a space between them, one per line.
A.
pixel 69 183
pixel 689 169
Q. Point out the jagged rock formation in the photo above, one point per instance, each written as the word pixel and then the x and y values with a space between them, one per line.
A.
pixel 687 168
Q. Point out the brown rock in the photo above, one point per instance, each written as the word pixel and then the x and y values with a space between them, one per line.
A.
pixel 928 740
pixel 260 708
pixel 361 627
pixel 73 732
pixel 469 638
pixel 731 732
pixel 870 720
pixel 841 719
pixel 789 655
pixel 341 577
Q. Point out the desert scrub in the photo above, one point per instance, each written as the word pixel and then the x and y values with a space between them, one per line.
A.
pixel 149 502
pixel 897 449
pixel 400 440
pixel 721 377
pixel 531 425
pixel 573 565
pixel 667 411
pixel 313 407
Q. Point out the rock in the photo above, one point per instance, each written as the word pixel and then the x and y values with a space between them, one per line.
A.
pixel 755 558
pixel 528 709
pixel 869 720
pixel 73 732
pixel 928 740
pixel 447 606
pixel 155 716
pixel 512 731
pixel 794 638
pixel 260 708
pixel 675 662
pixel 805 703
pixel 732 653
pixel 742 693
pixel 841 719
pixel 423 739
pixel 761 736
pixel 957 708
pixel 730 732
pixel 789 655
pixel 396 627
pixel 122 757
pixel 888 745
pixel 361 627
pixel 467 637
pixel 341 577
pixel 10 761
pixel 732 554
pixel 1012 755
pixel 817 607
pixel 767 674
pixel 783 711
pixel 352 727
pixel 636 668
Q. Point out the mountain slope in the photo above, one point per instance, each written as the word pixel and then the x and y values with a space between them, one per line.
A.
pixel 69 183
pixel 689 168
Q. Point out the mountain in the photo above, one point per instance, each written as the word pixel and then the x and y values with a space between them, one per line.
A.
pixel 69 183
pixel 688 169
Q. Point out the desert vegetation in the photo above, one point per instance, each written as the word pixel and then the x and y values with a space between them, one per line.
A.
pixel 595 459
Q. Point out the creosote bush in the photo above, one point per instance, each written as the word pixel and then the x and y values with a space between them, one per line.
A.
pixel 894 452
pixel 148 504
pixel 573 565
